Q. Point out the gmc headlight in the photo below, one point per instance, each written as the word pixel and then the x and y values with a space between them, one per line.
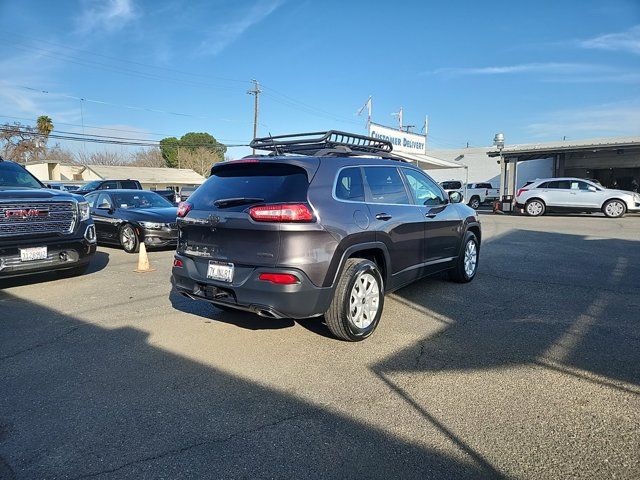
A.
pixel 152 225
pixel 84 211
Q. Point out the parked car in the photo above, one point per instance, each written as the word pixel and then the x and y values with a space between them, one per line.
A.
pixel 185 192
pixel 327 232
pixel 474 194
pixel 109 185
pixel 479 193
pixel 41 229
pixel 128 217
pixel 574 194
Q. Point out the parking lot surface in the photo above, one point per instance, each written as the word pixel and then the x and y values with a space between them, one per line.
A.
pixel 530 371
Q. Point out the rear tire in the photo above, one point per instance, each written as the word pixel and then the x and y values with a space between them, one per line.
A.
pixel 614 208
pixel 358 301
pixel 474 203
pixel 535 208
pixel 467 262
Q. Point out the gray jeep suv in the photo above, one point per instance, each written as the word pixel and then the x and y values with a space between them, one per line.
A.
pixel 325 225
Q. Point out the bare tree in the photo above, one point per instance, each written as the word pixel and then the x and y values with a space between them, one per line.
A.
pixel 200 160
pixel 19 142
pixel 150 157
pixel 58 154
pixel 106 157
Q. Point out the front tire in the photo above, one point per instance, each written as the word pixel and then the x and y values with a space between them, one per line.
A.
pixel 474 203
pixel 535 208
pixel 358 301
pixel 614 208
pixel 129 240
pixel 467 263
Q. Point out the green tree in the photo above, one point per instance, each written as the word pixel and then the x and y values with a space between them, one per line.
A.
pixel 169 149
pixel 191 143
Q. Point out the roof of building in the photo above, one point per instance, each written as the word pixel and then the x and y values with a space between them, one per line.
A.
pixel 567 145
pixel 148 174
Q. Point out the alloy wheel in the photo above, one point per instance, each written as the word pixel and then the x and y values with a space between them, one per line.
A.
pixel 614 209
pixel 470 258
pixel 128 238
pixel 534 208
pixel 364 300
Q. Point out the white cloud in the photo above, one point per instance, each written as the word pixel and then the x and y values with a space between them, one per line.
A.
pixel 107 15
pixel 543 68
pixel 226 34
pixel 628 41
pixel 599 120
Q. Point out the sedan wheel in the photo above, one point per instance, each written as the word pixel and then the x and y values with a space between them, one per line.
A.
pixel 614 209
pixel 129 239
pixel 534 208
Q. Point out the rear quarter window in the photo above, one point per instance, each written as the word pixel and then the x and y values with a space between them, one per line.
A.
pixel 271 182
pixel 349 185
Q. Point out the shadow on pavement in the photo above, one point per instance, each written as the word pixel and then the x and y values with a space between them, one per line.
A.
pixel 563 302
pixel 99 261
pixel 88 401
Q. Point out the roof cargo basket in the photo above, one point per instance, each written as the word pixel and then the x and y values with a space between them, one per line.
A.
pixel 331 143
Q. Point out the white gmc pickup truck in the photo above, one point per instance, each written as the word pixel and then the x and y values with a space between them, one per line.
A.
pixel 474 194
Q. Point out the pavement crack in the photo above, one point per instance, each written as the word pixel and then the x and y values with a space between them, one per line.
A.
pixel 177 451
pixel 42 344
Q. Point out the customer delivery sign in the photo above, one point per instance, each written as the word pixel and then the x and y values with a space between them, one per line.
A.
pixel 404 142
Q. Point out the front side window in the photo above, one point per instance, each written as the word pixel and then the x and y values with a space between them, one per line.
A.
pixel 109 185
pixel 103 202
pixel 386 186
pixel 128 185
pixel 91 199
pixel 349 185
pixel 424 190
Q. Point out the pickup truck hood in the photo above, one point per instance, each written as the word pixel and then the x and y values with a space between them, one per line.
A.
pixel 8 193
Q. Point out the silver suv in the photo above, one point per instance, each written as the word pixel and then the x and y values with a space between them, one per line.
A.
pixel 574 194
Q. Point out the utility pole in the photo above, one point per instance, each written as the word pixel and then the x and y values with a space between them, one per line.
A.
pixel 399 116
pixel 368 106
pixel 255 91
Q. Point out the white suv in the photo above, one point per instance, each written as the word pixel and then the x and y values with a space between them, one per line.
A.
pixel 574 194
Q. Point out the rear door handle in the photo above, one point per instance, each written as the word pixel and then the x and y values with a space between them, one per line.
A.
pixel 383 216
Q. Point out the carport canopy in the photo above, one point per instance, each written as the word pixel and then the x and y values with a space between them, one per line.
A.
pixel 565 154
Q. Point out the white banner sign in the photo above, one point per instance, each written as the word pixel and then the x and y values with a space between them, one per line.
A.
pixel 402 141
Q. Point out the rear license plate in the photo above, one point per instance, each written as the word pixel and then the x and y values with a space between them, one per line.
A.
pixel 34 253
pixel 220 271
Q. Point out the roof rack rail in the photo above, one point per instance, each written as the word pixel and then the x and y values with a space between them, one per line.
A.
pixel 322 144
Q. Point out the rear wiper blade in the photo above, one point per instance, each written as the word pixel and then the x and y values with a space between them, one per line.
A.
pixel 230 202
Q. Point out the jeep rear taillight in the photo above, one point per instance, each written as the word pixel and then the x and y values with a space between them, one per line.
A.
pixel 290 212
pixel 183 209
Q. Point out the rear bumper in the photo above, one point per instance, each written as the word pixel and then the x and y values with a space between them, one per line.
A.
pixel 298 301
pixel 61 254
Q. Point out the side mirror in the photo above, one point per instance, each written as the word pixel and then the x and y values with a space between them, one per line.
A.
pixel 455 197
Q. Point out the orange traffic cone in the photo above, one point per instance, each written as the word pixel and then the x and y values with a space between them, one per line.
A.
pixel 143 260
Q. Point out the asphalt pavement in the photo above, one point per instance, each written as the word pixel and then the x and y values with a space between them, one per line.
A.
pixel 530 371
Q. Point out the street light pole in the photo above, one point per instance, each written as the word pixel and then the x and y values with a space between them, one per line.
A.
pixel 498 141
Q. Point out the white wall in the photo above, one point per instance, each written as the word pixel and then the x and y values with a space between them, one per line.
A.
pixel 481 167
pixel 531 169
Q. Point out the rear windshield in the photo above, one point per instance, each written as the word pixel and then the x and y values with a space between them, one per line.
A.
pixel 270 182
pixel 451 185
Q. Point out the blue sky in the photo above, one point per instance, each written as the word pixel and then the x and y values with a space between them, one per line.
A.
pixel 535 70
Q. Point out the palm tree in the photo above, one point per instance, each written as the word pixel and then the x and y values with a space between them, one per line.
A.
pixel 44 125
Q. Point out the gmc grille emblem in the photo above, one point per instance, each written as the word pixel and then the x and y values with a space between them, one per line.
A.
pixel 24 213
